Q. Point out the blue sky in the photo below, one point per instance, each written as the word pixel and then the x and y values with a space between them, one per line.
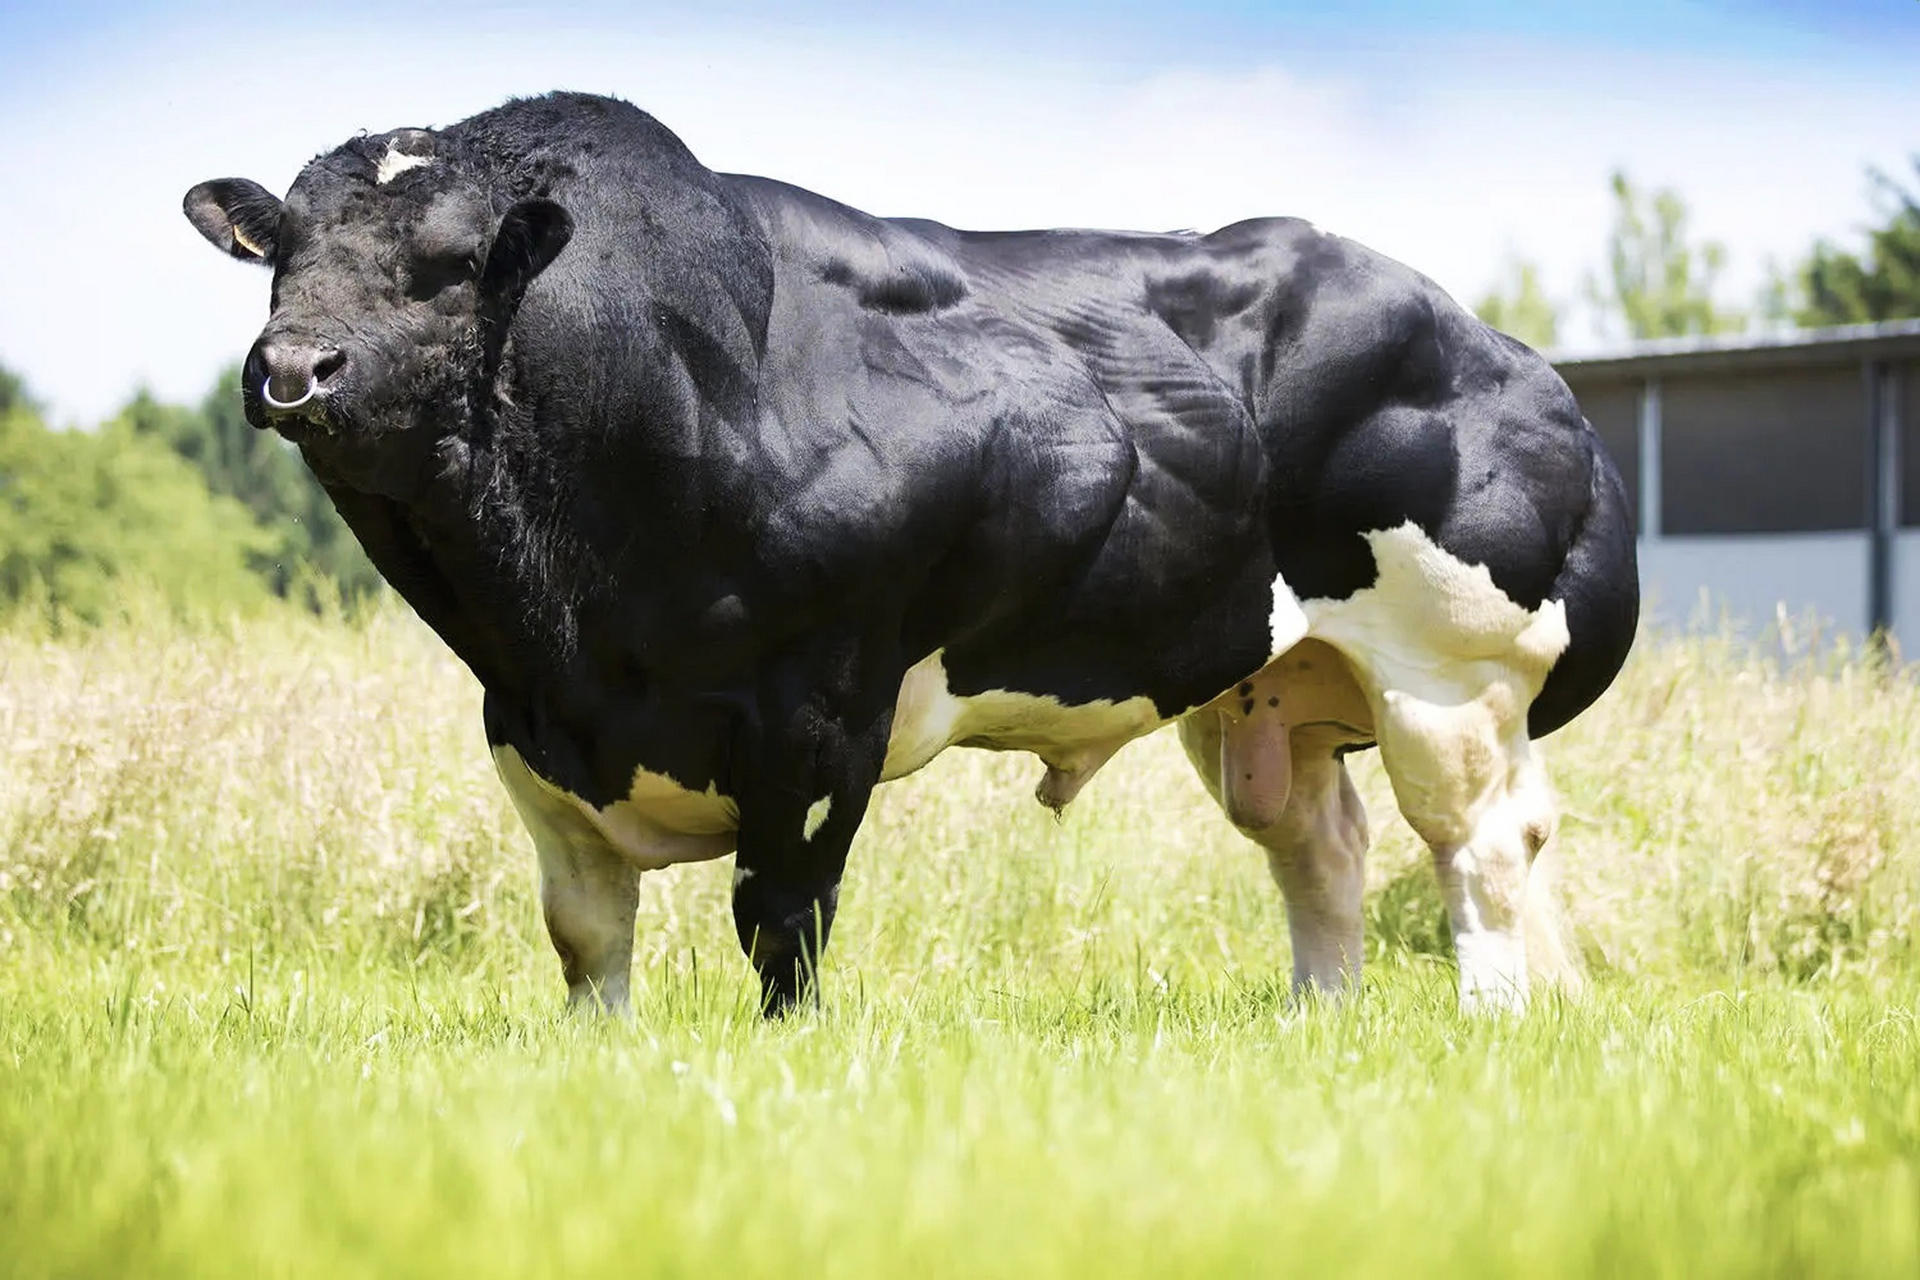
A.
pixel 1209 32
pixel 1451 136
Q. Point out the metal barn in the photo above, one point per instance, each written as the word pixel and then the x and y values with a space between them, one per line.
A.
pixel 1770 471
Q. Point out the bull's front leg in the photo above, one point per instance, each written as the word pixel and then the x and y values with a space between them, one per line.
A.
pixel 797 822
pixel 589 890
pixel 590 895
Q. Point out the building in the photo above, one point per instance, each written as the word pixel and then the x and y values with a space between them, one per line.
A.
pixel 1768 471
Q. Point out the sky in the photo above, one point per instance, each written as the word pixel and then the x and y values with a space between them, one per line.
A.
pixel 1453 137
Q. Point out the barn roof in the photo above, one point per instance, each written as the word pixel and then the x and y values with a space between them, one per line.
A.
pixel 1728 353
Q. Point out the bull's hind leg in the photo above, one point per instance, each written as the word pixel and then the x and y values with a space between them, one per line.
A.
pixel 1316 844
pixel 1470 785
pixel 1451 665
pixel 1317 853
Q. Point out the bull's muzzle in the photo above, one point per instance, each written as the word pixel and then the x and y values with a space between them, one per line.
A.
pixel 293 375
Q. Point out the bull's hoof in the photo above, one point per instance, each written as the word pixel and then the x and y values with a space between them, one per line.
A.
pixel 1493 973
pixel 784 986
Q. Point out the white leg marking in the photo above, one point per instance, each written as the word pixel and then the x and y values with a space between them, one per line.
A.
pixel 1552 960
pixel 1316 850
pixel 589 894
pixel 1451 664
pixel 816 814
pixel 1466 780
pixel 589 889
pixel 589 900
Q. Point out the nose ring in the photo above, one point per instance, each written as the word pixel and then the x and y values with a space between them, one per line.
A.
pixel 266 393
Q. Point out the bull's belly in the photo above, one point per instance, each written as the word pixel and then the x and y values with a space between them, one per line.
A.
pixel 1430 625
pixel 662 823
pixel 928 718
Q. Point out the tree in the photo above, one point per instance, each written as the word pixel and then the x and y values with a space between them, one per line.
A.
pixel 262 471
pixel 13 394
pixel 1833 286
pixel 1658 284
pixel 87 516
pixel 1520 308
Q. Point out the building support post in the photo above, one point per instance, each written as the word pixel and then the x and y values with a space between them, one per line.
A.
pixel 1883 492
pixel 1650 448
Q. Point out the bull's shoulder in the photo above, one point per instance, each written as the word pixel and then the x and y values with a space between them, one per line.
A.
pixel 888 266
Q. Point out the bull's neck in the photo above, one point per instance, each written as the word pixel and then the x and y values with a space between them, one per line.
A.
pixel 600 466
pixel 522 536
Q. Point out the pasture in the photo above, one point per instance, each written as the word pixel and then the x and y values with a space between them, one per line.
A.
pixel 275 1000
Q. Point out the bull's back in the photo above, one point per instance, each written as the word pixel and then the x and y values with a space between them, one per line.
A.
pixel 1272 379
pixel 1374 400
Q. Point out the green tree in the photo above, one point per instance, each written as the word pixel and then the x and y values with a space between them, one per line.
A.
pixel 266 474
pixel 1519 307
pixel 86 516
pixel 13 393
pixel 1658 284
pixel 1834 286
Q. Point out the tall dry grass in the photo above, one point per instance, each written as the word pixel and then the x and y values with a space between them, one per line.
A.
pixel 275 1000
pixel 285 785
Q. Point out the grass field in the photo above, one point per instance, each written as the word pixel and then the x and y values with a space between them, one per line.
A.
pixel 275 1000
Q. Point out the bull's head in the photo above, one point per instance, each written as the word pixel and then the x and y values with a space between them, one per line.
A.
pixel 395 280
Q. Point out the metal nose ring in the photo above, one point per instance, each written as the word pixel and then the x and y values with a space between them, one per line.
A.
pixel 266 393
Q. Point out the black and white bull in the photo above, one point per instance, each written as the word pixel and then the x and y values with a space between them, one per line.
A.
pixel 739 502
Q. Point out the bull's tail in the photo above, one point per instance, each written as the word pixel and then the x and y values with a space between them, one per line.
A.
pixel 1599 584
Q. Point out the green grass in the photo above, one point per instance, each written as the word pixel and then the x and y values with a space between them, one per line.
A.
pixel 274 999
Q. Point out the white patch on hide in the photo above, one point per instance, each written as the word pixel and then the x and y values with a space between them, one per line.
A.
pixel 816 814
pixel 1075 740
pixel 1451 664
pixel 1493 971
pixel 1434 624
pixel 397 162
pixel 659 824
pixel 1288 622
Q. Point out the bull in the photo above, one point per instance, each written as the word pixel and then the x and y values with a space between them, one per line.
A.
pixel 739 502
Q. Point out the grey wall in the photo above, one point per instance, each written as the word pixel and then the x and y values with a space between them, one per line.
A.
pixel 1614 411
pixel 1780 453
pixel 1906 591
pixel 1907 380
pixel 1747 579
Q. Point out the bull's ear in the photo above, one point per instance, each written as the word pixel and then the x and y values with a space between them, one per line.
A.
pixel 238 216
pixel 531 236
